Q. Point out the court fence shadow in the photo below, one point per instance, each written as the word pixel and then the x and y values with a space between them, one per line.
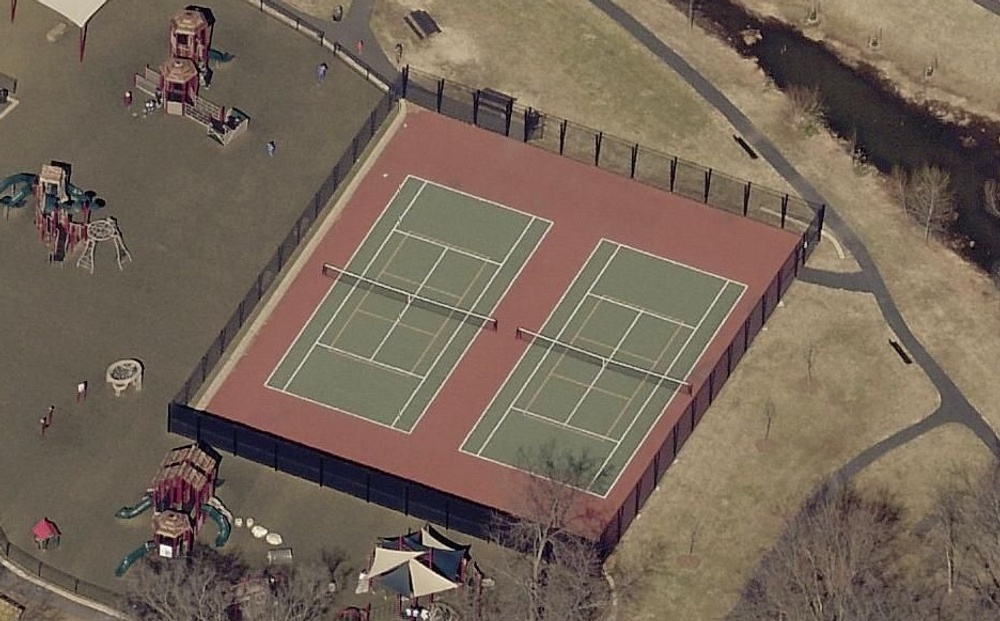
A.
pixel 495 111
pixel 30 564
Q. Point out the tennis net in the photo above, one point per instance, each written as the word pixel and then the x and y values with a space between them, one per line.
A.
pixel 410 298
pixel 588 356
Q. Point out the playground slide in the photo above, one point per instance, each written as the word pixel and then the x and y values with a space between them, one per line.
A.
pixel 219 56
pixel 127 513
pixel 21 184
pixel 221 521
pixel 133 556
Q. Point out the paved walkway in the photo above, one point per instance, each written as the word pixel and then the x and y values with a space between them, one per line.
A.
pixel 954 407
pixel 355 26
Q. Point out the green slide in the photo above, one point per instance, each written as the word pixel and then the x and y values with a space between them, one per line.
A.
pixel 221 521
pixel 127 513
pixel 134 556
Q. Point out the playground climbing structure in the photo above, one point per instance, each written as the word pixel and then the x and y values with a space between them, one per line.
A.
pixel 177 83
pixel 62 213
pixel 180 495
pixel 105 230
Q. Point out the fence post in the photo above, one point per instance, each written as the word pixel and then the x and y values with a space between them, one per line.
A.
pixel 440 94
pixel 635 158
pixel 475 107
pixel 784 209
pixel 819 223
pixel 673 172
pixel 708 184
pixel 527 129
pixel 562 136
pixel 598 138
pixel 405 80
pixel 509 117
pixel 746 198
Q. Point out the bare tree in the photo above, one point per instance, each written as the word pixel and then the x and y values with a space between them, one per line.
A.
pixel 900 183
pixel 834 562
pixel 806 106
pixel 195 588
pixel 974 523
pixel 208 586
pixel 556 574
pixel 301 594
pixel 931 200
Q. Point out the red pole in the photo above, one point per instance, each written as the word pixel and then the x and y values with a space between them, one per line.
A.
pixel 83 40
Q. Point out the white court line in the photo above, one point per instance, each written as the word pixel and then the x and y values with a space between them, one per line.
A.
pixel 457 329
pixel 362 359
pixel 603 368
pixel 447 246
pixel 545 356
pixel 478 198
pixel 673 362
pixel 295 395
pixel 639 309
pixel 666 260
pixel 353 290
pixel 409 303
pixel 521 359
pixel 565 426
pixel 312 315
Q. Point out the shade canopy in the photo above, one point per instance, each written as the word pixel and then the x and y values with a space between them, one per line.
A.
pixel 445 556
pixel 401 571
pixel 77 11
pixel 45 529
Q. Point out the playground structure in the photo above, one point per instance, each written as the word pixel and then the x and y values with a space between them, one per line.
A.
pixel 181 496
pixel 176 84
pixel 62 213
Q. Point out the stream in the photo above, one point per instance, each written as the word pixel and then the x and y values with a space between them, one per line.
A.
pixel 887 130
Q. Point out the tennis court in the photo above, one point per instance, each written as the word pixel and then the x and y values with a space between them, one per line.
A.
pixel 400 315
pixel 614 352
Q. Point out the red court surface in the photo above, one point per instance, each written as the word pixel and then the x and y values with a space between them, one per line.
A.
pixel 585 205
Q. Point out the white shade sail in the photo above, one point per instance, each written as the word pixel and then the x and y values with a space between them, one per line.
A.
pixel 77 11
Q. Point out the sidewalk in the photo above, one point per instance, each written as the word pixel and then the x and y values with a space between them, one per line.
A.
pixel 354 27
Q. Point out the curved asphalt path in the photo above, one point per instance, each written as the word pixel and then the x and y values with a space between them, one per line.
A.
pixel 954 407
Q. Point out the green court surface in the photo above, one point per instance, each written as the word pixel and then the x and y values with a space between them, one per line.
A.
pixel 609 359
pixel 385 338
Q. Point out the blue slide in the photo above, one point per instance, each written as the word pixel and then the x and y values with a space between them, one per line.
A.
pixel 21 185
pixel 127 513
pixel 221 521
pixel 134 556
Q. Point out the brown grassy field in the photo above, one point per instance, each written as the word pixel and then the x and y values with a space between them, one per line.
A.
pixel 950 35
pixel 742 492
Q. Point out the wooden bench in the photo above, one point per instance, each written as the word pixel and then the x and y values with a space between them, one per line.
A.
pixel 421 23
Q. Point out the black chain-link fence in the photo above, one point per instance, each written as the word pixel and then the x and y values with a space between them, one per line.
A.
pixel 267 276
pixel 32 565
pixel 501 113
pixel 497 112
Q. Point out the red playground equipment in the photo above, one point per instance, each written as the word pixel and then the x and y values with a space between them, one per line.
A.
pixel 62 211
pixel 176 84
pixel 185 481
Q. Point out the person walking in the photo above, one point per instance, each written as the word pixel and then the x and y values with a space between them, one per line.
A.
pixel 271 147
pixel 321 72
pixel 45 425
pixel 48 415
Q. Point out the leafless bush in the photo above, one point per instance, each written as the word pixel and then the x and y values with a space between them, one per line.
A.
pixel 806 107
